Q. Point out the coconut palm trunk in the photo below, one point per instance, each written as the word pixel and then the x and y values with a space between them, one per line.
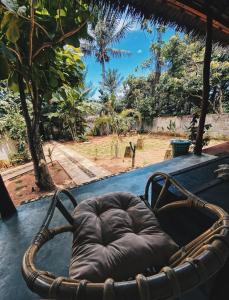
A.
pixel 158 59
pixel 107 32
pixel 103 72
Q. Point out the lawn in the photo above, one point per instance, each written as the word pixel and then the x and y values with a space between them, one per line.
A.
pixel 102 150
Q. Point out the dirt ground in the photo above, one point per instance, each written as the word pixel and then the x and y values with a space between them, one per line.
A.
pixel 102 151
pixel 23 188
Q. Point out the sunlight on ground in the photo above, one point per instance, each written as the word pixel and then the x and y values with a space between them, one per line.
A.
pixel 101 150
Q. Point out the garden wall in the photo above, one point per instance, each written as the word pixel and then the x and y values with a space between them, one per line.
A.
pixel 7 147
pixel 219 122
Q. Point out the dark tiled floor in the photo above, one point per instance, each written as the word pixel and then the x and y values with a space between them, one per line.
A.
pixel 17 232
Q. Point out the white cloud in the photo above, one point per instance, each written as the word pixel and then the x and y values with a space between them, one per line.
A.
pixel 139 51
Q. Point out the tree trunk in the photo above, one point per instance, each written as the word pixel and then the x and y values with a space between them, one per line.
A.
pixel 220 99
pixel 133 150
pixel 206 87
pixel 158 62
pixel 42 177
pixel 103 72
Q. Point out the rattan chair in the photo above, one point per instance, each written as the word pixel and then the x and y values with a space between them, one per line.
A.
pixel 192 265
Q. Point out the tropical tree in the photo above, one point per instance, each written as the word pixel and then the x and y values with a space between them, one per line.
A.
pixel 179 89
pixel 103 35
pixel 12 124
pixel 71 109
pixel 33 59
pixel 156 60
pixel 112 81
pixel 138 95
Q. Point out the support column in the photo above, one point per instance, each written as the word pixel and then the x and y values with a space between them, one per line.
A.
pixel 7 208
pixel 206 87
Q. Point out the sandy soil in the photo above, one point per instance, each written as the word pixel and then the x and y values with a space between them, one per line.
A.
pixel 23 188
pixel 101 151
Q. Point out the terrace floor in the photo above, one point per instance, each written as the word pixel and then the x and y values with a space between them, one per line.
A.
pixel 17 232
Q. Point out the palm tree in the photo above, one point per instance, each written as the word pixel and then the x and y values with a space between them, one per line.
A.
pixel 156 56
pixel 108 31
pixel 112 81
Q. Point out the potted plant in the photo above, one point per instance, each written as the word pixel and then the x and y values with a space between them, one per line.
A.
pixel 179 146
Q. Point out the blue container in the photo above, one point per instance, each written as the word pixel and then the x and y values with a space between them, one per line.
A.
pixel 180 147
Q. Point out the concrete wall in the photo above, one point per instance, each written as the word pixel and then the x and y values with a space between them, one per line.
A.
pixel 7 147
pixel 219 122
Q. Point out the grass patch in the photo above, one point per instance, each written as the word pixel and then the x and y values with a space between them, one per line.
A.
pixel 105 147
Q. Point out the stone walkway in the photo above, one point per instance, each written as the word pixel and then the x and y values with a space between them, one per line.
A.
pixel 79 168
pixel 17 171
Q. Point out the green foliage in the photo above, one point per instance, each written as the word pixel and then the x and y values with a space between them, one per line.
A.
pixel 102 125
pixel 50 21
pixel 192 131
pixel 13 125
pixel 112 81
pixel 40 42
pixel 138 95
pixel 103 34
pixel 155 60
pixel 19 157
pixel 172 127
pixel 120 125
pixel 179 89
pixel 117 123
pixel 70 107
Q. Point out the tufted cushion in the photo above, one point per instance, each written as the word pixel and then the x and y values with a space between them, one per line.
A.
pixel 117 236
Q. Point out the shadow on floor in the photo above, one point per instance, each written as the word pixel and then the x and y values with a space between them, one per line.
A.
pixel 17 232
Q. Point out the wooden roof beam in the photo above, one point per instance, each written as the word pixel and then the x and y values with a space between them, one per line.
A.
pixel 201 15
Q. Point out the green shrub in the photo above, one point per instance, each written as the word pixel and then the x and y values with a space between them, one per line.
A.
pixel 193 128
pixel 102 125
pixel 19 158
pixel 13 125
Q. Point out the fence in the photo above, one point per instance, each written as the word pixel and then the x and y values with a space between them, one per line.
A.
pixel 219 122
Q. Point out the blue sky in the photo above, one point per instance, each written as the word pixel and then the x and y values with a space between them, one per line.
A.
pixel 137 42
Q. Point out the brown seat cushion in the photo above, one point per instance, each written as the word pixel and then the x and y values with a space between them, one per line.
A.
pixel 117 236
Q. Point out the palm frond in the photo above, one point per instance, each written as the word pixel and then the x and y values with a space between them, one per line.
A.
pixel 118 52
pixel 122 31
pixel 112 80
pixel 88 47
pixel 147 63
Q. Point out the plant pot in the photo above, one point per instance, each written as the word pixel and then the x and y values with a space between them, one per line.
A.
pixel 180 147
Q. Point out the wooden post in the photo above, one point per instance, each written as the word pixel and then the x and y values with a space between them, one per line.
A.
pixel 7 208
pixel 133 149
pixel 206 87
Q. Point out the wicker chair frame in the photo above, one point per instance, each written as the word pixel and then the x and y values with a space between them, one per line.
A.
pixel 189 267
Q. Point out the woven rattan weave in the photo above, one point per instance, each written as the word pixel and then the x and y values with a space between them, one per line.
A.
pixel 192 265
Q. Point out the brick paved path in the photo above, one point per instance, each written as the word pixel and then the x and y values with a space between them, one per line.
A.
pixel 79 168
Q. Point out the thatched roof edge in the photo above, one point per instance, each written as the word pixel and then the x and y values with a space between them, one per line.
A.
pixel 163 12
